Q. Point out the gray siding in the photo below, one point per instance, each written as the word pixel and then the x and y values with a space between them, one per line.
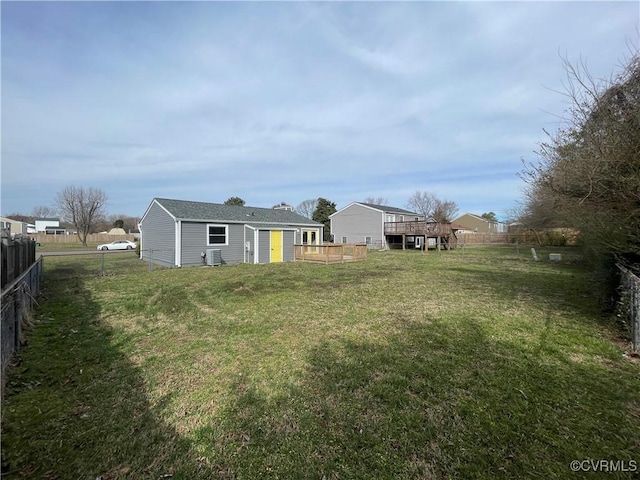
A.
pixel 194 241
pixel 357 222
pixel 264 246
pixel 288 238
pixel 158 236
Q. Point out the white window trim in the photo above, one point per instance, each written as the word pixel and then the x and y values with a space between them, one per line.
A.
pixel 226 235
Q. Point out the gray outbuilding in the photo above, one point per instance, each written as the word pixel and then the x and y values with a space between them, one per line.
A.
pixel 179 233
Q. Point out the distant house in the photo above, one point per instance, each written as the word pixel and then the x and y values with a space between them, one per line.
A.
pixel 14 227
pixel 52 224
pixel 470 223
pixel 177 233
pixel 390 227
pixel 51 230
pixel 283 206
pixel 365 223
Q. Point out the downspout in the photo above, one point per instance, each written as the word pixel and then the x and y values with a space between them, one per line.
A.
pixel 140 240
pixel 256 249
pixel 178 243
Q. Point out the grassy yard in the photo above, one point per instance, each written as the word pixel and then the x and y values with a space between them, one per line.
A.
pixel 465 364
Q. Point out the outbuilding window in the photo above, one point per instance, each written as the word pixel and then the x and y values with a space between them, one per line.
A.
pixel 217 235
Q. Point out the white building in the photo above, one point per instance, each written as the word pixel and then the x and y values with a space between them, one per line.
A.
pixel 43 223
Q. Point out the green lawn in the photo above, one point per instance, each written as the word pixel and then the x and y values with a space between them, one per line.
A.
pixel 464 364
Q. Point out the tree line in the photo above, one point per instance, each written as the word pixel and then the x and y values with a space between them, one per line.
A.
pixel 587 175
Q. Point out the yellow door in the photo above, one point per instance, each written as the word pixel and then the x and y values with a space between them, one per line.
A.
pixel 276 246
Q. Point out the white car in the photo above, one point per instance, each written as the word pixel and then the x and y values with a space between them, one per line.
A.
pixel 118 245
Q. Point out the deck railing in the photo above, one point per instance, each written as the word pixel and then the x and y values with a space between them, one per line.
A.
pixel 431 229
pixel 331 252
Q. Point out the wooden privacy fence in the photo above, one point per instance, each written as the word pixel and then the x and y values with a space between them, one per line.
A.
pixel 43 238
pixel 331 252
pixel 482 238
pixel 18 301
pixel 551 237
pixel 629 304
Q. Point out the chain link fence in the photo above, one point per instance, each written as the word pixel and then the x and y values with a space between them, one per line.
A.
pixel 629 304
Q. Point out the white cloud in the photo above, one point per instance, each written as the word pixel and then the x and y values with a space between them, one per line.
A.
pixel 286 101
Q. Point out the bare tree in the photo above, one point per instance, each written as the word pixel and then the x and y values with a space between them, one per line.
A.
pixel 588 173
pixel 423 202
pixel 429 205
pixel 81 206
pixel 307 207
pixel 377 200
pixel 445 211
pixel 43 211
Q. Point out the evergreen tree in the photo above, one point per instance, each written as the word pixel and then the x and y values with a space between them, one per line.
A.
pixel 235 201
pixel 321 215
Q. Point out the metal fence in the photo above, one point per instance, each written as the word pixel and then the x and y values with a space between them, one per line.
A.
pixel 18 301
pixel 629 303
pixel 18 254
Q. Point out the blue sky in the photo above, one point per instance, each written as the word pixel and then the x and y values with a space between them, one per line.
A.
pixel 287 101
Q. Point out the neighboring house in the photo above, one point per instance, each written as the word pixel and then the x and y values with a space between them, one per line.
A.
pixel 177 233
pixel 15 227
pixel 283 206
pixel 365 223
pixel 43 223
pixel 471 223
pixel 50 230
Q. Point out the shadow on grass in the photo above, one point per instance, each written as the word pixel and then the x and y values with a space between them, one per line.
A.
pixel 75 405
pixel 433 401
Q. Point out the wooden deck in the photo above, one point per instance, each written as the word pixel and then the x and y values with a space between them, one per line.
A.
pixel 331 253
pixel 431 235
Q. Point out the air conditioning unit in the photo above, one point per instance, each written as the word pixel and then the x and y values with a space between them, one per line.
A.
pixel 214 257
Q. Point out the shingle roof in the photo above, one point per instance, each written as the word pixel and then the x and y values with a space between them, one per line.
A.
pixel 216 212
pixel 387 208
